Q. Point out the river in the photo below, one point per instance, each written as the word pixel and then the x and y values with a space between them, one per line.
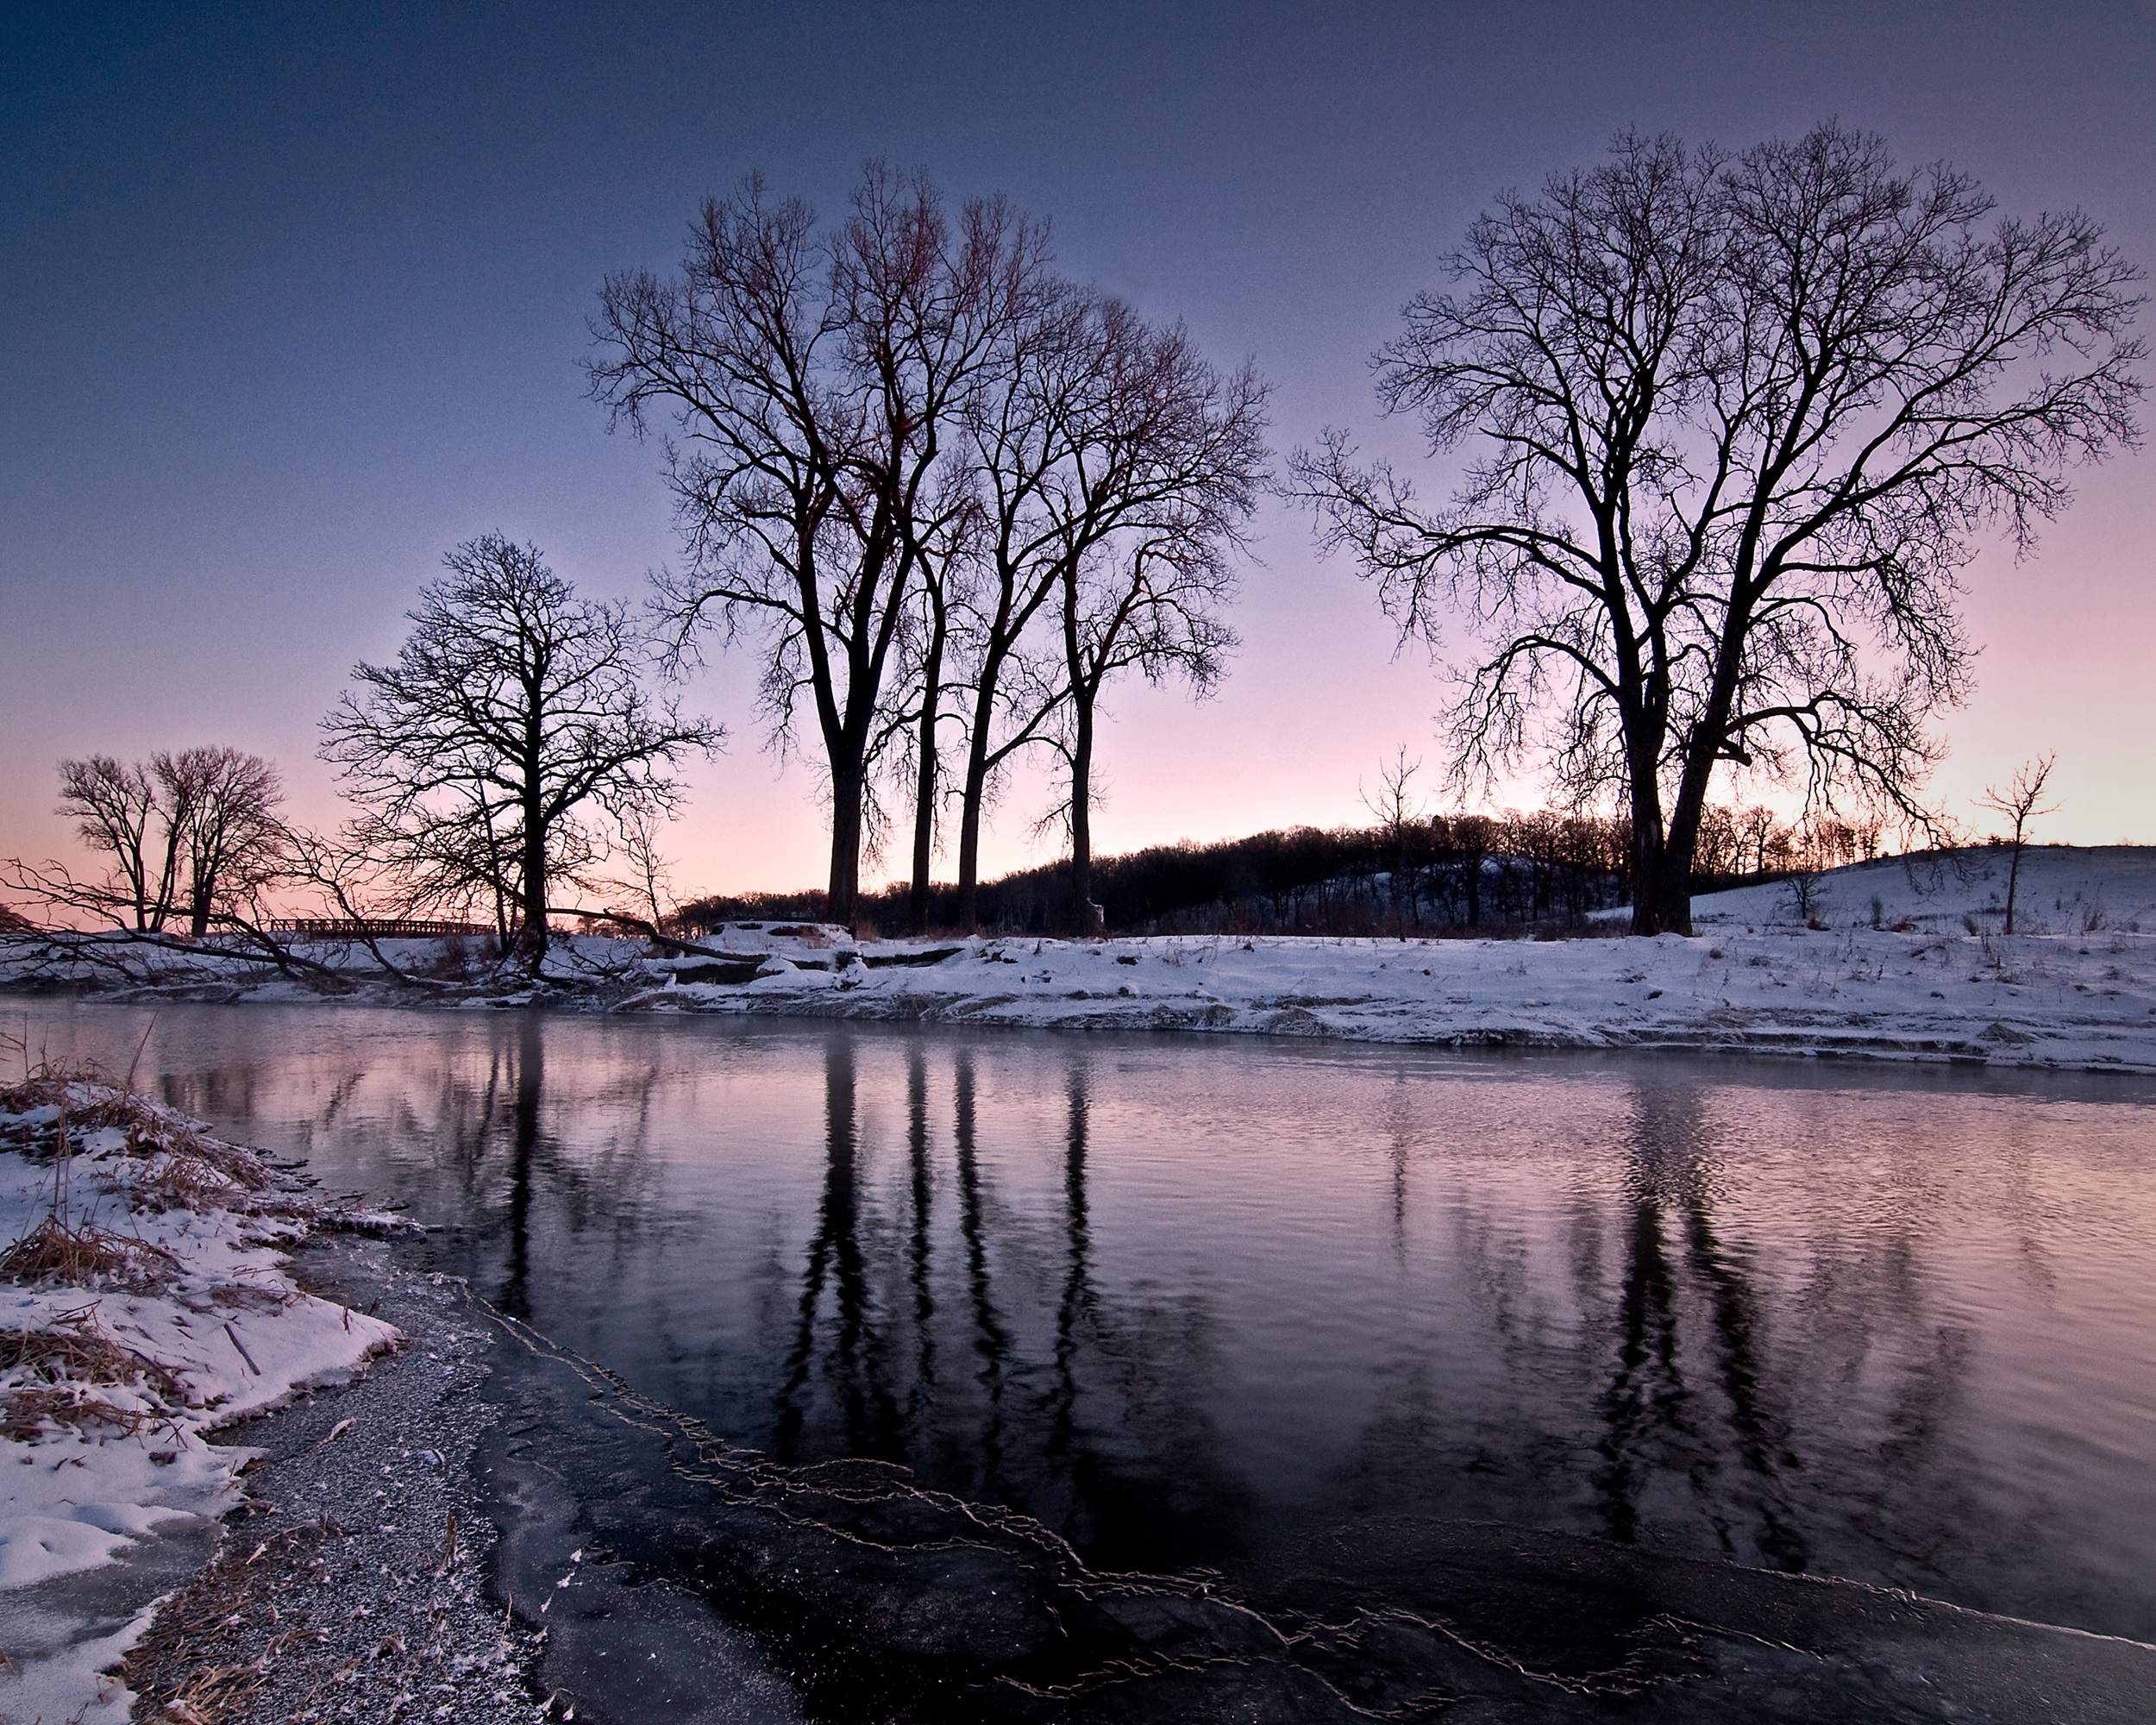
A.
pixel 1333 1332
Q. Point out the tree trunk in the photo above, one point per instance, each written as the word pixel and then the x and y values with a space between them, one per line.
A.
pixel 974 793
pixel 1672 896
pixel 844 898
pixel 531 933
pixel 916 899
pixel 972 796
pixel 1082 813
pixel 1661 866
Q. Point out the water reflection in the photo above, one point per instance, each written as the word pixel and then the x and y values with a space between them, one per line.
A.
pixel 523 1143
pixel 1268 1311
pixel 885 1289
pixel 1654 1419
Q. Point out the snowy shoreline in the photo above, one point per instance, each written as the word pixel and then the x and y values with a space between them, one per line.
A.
pixel 147 1304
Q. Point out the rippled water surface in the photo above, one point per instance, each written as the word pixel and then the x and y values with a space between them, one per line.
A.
pixel 1271 1310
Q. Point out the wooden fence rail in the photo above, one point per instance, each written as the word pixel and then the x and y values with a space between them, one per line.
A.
pixel 378 928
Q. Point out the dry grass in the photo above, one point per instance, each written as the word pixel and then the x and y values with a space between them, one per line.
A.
pixel 58 1252
pixel 192 1169
pixel 62 1365
pixel 26 1412
pixel 50 1084
pixel 199 1631
pixel 74 1350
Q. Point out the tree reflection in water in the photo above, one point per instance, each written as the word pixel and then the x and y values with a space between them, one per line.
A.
pixel 1199 1302
pixel 1654 1418
pixel 1015 1430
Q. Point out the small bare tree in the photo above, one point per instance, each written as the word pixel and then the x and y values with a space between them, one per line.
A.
pixel 1157 607
pixel 644 875
pixel 1742 420
pixel 1398 811
pixel 117 813
pixel 1804 879
pixel 194 832
pixel 512 706
pixel 224 803
pixel 2021 801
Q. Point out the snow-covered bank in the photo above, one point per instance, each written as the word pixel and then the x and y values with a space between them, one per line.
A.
pixel 144 1302
pixel 1890 960
pixel 1898 960
pixel 2034 1000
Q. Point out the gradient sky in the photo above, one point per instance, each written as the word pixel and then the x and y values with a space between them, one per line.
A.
pixel 295 300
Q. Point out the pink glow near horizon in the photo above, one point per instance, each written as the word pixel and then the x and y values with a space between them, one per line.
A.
pixel 1317 699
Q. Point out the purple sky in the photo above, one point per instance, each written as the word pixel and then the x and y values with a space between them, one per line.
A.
pixel 295 303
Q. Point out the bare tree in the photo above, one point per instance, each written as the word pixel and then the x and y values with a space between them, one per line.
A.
pixel 1804 879
pixel 1399 811
pixel 1149 569
pixel 1744 418
pixel 1099 426
pixel 813 382
pixel 512 705
pixel 920 731
pixel 2021 801
pixel 645 876
pixel 194 831
pixel 224 804
pixel 1157 608
pixel 117 813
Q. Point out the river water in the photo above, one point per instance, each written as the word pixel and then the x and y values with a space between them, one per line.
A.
pixel 1297 1325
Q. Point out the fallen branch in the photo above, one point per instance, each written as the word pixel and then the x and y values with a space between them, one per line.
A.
pixel 241 1346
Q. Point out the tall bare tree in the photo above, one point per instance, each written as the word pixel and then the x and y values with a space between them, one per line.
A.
pixel 2021 802
pixel 511 706
pixel 1742 420
pixel 811 381
pixel 920 713
pixel 1171 468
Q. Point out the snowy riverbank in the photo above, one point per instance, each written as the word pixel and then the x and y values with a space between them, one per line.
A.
pixel 1892 960
pixel 145 1301
pixel 1895 962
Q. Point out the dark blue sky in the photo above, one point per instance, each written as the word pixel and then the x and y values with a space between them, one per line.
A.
pixel 295 300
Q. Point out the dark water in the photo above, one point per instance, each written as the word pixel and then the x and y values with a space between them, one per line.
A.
pixel 1303 1323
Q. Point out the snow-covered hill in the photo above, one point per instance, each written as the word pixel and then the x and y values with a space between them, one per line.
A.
pixel 1898 961
pixel 2062 890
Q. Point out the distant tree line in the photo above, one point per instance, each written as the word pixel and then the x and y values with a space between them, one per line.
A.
pixel 1439 875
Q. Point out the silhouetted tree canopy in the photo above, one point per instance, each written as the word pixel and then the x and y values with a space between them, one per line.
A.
pixel 511 707
pixel 1740 420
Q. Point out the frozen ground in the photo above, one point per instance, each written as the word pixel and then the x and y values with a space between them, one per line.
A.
pixel 145 1302
pixel 1898 960
pixel 354 1583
